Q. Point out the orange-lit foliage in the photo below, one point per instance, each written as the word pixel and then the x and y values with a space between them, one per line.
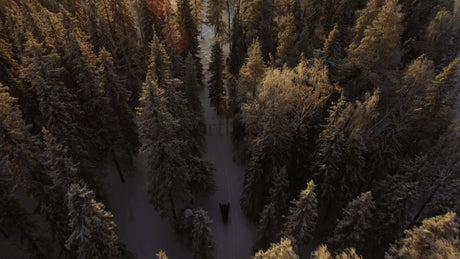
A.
pixel 158 7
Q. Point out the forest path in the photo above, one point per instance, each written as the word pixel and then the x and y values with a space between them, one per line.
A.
pixel 234 239
pixel 140 227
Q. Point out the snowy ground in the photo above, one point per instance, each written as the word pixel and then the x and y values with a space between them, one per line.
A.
pixel 233 240
pixel 140 227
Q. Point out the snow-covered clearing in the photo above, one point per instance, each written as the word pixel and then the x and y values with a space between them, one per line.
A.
pixel 140 227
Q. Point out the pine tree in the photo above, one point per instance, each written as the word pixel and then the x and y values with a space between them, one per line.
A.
pixel 283 249
pixel 62 172
pixel 379 48
pixel 161 255
pixel 377 53
pixel 237 42
pixel 322 253
pixel 395 197
pixel 18 149
pixel 125 135
pixel 216 82
pixel 146 20
pixel 286 51
pixel 433 113
pixel 257 22
pixel 94 234
pixel 271 218
pixel 340 157
pixel 187 23
pixel 13 217
pixel 437 237
pixel 214 17
pixel 191 86
pixel 352 229
pixel 332 45
pixel 438 32
pixel 301 221
pixel 160 132
pixel 251 73
pixel 202 243
pixel 198 8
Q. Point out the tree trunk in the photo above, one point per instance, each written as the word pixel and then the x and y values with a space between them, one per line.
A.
pixel 173 206
pixel 115 160
pixel 428 200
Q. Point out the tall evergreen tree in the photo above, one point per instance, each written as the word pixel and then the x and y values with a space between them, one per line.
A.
pixel 436 237
pixel 94 234
pixel 14 217
pixel 145 20
pixel 160 132
pixel 271 218
pixel 17 166
pixel 251 73
pixel 257 23
pixel 188 24
pixel 62 172
pixel 202 243
pixel 215 9
pixel 18 149
pixel 124 134
pixel 353 228
pixel 161 255
pixel 301 221
pixel 376 54
pixel 322 253
pixel 283 249
pixel 286 51
pixel 216 82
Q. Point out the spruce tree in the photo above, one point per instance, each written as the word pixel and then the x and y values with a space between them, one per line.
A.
pixel 202 243
pixel 301 221
pixel 322 253
pixel 14 218
pixel 160 132
pixel 437 237
pixel 18 149
pixel 433 113
pixel 237 43
pixel 379 47
pixel 373 58
pixel 286 51
pixel 342 147
pixel 438 33
pixel 271 218
pixel 251 73
pixel 93 232
pixel 352 229
pixel 125 134
pixel 161 255
pixel 283 249
pixel 332 47
pixel 215 9
pixel 188 24
pixel 217 93
pixel 191 86
pixel 146 20
pixel 257 22
pixel 62 172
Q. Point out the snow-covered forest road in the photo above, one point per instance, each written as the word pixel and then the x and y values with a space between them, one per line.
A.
pixel 140 227
pixel 233 240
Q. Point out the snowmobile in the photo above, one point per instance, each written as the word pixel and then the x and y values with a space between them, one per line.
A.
pixel 224 208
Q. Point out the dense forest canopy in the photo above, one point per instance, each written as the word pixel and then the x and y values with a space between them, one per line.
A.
pixel 342 110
